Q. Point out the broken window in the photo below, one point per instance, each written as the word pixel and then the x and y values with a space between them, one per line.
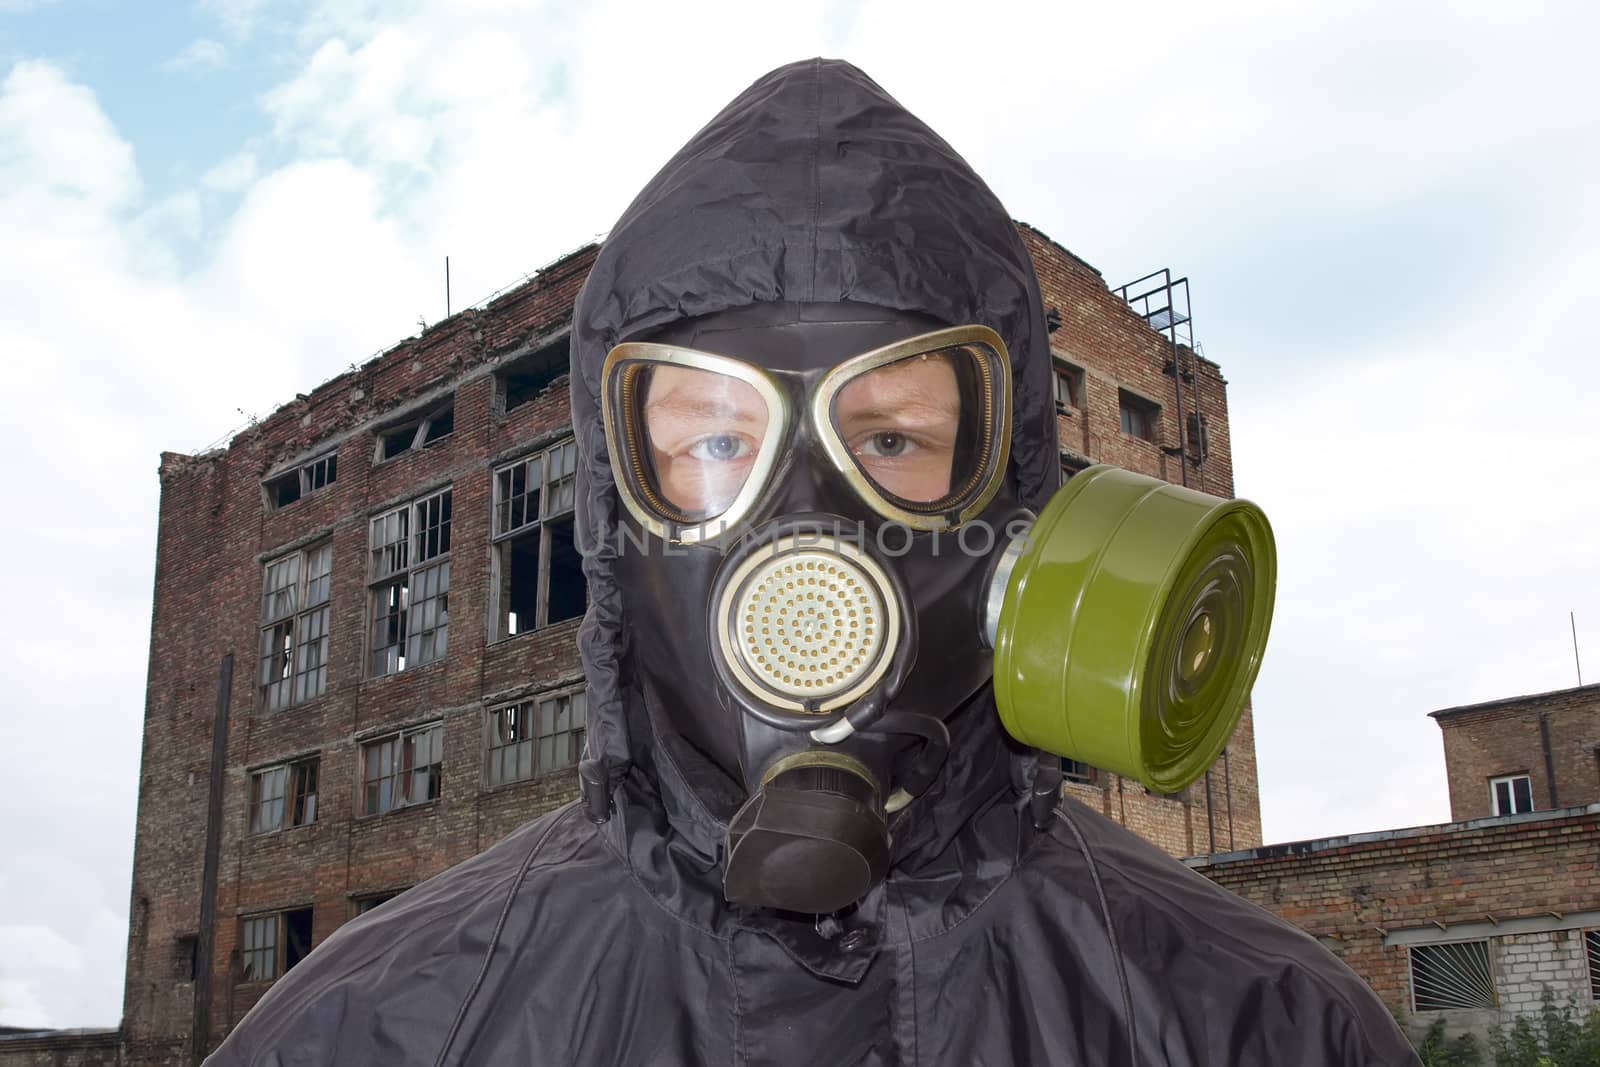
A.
pixel 294 630
pixel 422 432
pixel 188 957
pixel 364 904
pixel 401 769
pixel 537 572
pixel 409 568
pixel 1074 771
pixel 284 489
pixel 535 737
pixel 271 944
pixel 1068 385
pixel 1140 417
pixel 524 378
pixel 284 795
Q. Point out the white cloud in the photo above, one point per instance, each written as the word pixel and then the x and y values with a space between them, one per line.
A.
pixel 232 174
pixel 238 17
pixel 201 54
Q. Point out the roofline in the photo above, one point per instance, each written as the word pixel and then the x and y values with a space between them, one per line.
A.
pixel 1300 849
pixel 552 272
pixel 1503 702
pixel 1031 228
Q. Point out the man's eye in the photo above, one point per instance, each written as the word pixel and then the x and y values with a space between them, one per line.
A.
pixel 719 448
pixel 885 445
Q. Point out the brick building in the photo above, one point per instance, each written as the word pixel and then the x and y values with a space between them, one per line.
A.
pixel 1524 753
pixel 362 662
pixel 1474 920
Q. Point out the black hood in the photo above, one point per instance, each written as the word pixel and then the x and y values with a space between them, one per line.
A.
pixel 812 186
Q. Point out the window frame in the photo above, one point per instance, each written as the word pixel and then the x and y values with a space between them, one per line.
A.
pixel 304 623
pixel 557 500
pixel 290 798
pixel 553 353
pixel 1511 792
pixel 421 428
pixel 1061 370
pixel 1591 953
pixel 305 475
pixel 530 737
pixel 398 768
pixel 1146 409
pixel 361 903
pixel 1078 772
pixel 278 923
pixel 396 566
pixel 1440 947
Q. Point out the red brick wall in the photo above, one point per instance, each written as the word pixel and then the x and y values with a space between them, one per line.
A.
pixel 215 534
pixel 1503 737
pixel 1116 349
pixel 1350 893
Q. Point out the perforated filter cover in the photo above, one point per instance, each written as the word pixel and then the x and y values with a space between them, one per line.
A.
pixel 814 623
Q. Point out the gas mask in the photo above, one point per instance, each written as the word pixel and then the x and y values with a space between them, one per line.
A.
pixel 823 557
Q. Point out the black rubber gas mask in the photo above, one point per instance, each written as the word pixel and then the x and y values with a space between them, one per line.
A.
pixel 815 498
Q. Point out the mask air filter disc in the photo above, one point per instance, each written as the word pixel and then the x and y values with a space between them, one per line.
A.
pixel 1133 623
pixel 807 626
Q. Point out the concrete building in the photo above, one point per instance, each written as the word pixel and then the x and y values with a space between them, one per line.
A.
pixel 1475 920
pixel 362 662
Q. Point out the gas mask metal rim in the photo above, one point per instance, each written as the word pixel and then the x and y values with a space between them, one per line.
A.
pixel 627 464
pixel 966 501
pixel 627 441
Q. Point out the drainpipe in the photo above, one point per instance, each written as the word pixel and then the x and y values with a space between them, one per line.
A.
pixel 205 941
pixel 1549 760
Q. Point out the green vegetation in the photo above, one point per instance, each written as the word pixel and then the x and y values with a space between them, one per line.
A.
pixel 1561 1035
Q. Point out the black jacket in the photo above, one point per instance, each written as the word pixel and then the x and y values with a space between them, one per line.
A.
pixel 572 942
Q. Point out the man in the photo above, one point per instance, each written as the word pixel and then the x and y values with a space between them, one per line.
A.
pixel 812 347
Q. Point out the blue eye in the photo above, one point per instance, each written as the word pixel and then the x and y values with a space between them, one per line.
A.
pixel 719 448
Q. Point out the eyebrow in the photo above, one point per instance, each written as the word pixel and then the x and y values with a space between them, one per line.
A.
pixel 913 402
pixel 696 405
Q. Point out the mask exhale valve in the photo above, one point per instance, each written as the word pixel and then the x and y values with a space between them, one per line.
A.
pixel 1128 625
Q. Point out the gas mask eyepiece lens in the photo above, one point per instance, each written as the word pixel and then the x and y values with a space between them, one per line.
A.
pixel 695 434
pixel 921 428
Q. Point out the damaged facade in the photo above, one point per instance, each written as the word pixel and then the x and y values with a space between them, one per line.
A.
pixel 362 662
pixel 1474 921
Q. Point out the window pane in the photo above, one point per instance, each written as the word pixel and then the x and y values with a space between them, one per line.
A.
pixel 1522 793
pixel 304 810
pixel 390 543
pixel 433 526
pixel 319 565
pixel 517 492
pixel 389 604
pixel 258 945
pixel 279 588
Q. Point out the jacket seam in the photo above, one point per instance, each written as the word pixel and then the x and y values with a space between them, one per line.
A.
pixel 494 937
pixel 1337 994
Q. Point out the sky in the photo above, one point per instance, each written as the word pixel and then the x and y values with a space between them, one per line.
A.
pixel 1390 216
